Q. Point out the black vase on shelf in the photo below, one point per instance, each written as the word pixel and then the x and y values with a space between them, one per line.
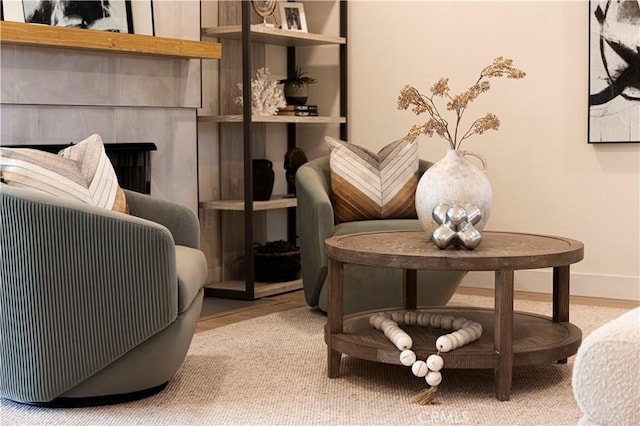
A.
pixel 263 177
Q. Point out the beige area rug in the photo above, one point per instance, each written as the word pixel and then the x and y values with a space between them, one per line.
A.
pixel 272 371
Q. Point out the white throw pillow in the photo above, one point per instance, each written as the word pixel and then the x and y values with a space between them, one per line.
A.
pixel 81 172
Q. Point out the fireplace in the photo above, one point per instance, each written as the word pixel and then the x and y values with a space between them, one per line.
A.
pixel 131 162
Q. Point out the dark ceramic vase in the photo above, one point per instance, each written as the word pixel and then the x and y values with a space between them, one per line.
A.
pixel 263 177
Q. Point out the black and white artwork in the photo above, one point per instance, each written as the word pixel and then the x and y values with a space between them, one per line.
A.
pixel 12 10
pixel 142 17
pixel 614 71
pixel 105 15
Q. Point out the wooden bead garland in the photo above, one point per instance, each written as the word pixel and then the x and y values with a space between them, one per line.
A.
pixel 465 332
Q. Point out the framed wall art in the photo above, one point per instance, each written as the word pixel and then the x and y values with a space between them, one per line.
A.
pixel 142 17
pixel 614 71
pixel 292 16
pixel 12 10
pixel 105 15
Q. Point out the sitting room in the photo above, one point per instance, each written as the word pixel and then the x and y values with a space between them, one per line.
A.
pixel 336 212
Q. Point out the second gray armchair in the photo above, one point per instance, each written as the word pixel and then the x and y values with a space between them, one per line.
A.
pixel 365 287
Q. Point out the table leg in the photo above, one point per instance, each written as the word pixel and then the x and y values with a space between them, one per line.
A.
pixel 410 288
pixel 503 333
pixel 561 297
pixel 334 315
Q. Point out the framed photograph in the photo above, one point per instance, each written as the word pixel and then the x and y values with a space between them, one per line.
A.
pixel 104 15
pixel 12 11
pixel 292 16
pixel 614 71
pixel 142 17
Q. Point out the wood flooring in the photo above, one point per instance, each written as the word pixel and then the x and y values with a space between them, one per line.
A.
pixel 295 299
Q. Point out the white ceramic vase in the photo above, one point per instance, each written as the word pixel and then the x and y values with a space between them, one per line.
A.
pixel 456 181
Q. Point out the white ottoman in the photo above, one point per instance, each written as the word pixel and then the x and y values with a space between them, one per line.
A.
pixel 606 373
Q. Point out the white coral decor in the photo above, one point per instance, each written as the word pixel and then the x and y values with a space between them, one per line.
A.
pixel 266 95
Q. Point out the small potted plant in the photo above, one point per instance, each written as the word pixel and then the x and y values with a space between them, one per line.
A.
pixel 276 261
pixel 296 87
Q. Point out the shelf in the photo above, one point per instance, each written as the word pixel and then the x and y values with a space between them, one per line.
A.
pixel 261 34
pixel 276 202
pixel 261 289
pixel 271 119
pixel 105 41
pixel 245 136
pixel 536 339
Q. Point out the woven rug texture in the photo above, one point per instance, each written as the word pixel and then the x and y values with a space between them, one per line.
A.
pixel 272 371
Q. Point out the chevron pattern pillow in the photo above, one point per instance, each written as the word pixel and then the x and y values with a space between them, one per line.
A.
pixel 81 172
pixel 366 185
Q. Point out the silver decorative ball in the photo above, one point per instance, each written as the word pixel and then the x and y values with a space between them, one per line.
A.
pixel 456 226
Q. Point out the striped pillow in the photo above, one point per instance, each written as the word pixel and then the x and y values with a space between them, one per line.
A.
pixel 365 185
pixel 81 172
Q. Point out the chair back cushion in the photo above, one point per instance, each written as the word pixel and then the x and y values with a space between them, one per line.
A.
pixel 367 185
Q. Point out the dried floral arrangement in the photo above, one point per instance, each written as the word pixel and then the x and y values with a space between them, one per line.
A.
pixel 266 95
pixel 420 103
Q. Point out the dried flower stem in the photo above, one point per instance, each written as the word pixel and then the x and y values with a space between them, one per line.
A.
pixel 421 103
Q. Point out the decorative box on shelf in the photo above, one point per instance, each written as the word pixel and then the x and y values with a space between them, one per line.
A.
pixel 299 110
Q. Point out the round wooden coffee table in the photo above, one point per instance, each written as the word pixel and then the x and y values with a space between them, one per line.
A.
pixel 509 338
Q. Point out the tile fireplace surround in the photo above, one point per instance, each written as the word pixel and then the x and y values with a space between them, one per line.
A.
pixel 58 95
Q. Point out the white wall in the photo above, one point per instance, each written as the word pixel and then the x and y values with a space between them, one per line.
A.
pixel 545 177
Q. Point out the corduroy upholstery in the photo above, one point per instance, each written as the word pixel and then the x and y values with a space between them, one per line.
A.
pixel 95 303
pixel 365 287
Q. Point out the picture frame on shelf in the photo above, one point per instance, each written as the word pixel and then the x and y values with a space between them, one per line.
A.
pixel 292 16
pixel 142 17
pixel 12 11
pixel 88 14
pixel 614 81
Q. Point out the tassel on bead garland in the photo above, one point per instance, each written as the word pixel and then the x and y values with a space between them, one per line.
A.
pixel 426 397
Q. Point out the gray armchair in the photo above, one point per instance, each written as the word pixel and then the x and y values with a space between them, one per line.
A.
pixel 365 287
pixel 97 306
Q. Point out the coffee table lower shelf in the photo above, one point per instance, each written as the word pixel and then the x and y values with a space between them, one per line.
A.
pixel 536 339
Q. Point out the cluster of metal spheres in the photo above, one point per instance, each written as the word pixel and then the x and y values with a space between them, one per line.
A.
pixel 456 226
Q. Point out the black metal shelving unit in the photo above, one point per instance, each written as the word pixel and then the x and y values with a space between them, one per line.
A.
pixel 249 34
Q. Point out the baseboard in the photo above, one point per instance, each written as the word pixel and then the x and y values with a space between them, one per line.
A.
pixel 588 285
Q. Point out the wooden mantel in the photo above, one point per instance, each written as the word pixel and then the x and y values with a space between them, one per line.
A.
pixel 17 33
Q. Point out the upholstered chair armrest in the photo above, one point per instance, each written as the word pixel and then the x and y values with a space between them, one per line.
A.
pixel 423 166
pixel 315 224
pixel 87 276
pixel 181 221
